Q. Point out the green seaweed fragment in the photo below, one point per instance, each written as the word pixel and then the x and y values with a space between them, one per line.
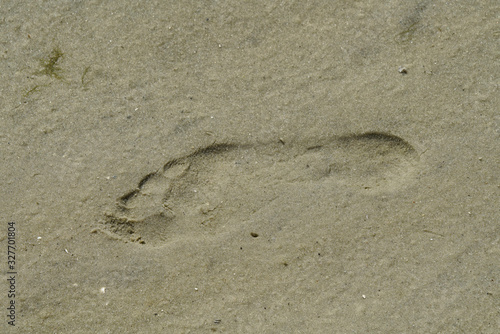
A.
pixel 50 64
pixel 32 90
pixel 85 71
pixel 408 34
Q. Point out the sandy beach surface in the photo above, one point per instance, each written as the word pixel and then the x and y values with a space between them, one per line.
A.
pixel 250 167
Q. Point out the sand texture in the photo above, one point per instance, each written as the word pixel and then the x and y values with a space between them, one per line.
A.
pixel 252 166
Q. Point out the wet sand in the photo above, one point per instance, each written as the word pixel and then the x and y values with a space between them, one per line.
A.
pixel 329 167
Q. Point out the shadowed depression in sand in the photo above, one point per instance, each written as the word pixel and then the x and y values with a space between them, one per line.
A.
pixel 200 189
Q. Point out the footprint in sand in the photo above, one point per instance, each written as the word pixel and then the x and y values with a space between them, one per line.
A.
pixel 204 188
